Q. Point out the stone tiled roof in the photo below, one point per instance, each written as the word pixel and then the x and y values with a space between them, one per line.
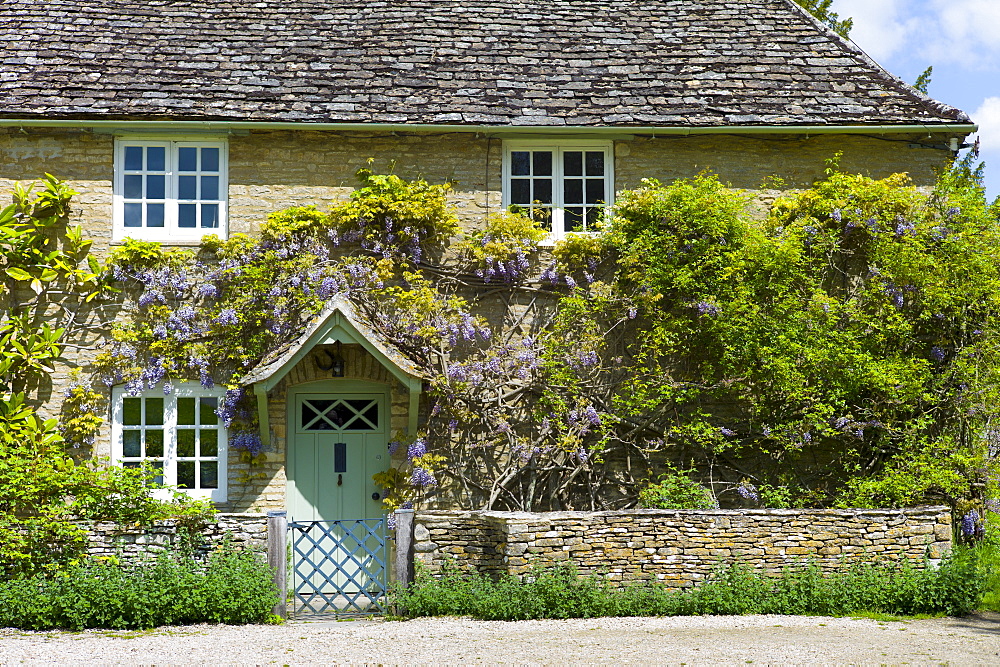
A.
pixel 480 62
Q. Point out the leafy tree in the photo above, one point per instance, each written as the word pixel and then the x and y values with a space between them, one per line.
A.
pixel 821 10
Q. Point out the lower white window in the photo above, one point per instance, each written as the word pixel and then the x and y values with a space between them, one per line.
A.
pixel 566 186
pixel 179 435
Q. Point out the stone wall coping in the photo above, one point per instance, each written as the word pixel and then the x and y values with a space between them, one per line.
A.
pixel 924 510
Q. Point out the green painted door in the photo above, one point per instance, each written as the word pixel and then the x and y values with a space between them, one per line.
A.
pixel 337 441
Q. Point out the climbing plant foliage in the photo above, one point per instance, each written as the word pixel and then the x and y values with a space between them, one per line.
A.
pixel 840 351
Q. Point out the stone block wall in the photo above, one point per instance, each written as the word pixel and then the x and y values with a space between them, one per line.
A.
pixel 677 547
pixel 134 543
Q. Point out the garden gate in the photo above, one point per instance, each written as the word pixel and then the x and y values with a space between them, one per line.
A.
pixel 339 567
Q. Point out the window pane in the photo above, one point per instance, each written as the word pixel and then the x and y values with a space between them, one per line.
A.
pixel 132 444
pixel 133 214
pixel 208 405
pixel 156 158
pixel 157 465
pixel 573 218
pixel 185 474
pixel 210 159
pixel 209 216
pixel 133 186
pixel 543 216
pixel 154 215
pixel 155 186
pixel 185 411
pixel 520 191
pixel 133 158
pixel 209 442
pixel 185 442
pixel 209 187
pixel 154 411
pixel 187 215
pixel 573 191
pixel 520 164
pixel 209 475
pixel 542 162
pixel 187 159
pixel 593 215
pixel 132 411
pixel 595 163
pixel 573 163
pixel 595 190
pixel 154 443
pixel 187 187
pixel 543 190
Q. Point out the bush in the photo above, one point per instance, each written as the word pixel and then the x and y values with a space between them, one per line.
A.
pixel 233 586
pixel 675 490
pixel 955 588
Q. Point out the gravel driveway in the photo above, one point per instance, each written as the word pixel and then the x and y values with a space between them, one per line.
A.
pixel 690 640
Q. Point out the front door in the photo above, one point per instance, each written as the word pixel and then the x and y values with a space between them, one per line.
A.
pixel 336 443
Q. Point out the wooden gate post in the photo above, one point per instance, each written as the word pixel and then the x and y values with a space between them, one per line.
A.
pixel 277 558
pixel 403 570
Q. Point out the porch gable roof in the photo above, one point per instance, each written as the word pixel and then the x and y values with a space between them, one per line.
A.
pixel 338 322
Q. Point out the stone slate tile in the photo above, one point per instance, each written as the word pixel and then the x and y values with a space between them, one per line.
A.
pixel 494 62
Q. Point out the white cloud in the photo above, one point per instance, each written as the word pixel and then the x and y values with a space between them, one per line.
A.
pixel 965 32
pixel 879 25
pixel 987 117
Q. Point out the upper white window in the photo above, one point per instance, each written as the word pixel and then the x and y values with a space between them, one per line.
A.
pixel 178 434
pixel 169 190
pixel 566 186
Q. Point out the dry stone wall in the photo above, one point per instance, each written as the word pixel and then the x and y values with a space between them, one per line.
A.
pixel 135 543
pixel 677 547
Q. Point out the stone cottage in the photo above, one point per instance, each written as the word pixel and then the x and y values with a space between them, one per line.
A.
pixel 174 119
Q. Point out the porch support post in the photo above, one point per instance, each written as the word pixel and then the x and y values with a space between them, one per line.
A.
pixel 263 416
pixel 414 385
pixel 277 558
pixel 403 567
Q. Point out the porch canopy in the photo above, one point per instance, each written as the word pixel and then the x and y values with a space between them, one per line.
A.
pixel 339 322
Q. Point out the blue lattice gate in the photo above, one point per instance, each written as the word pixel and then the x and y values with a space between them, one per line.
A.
pixel 339 566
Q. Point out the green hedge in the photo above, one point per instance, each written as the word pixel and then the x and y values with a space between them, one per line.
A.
pixel 233 586
pixel 955 588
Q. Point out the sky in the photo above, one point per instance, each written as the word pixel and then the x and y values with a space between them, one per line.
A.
pixel 960 38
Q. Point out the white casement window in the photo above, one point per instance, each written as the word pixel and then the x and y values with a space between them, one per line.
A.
pixel 178 434
pixel 567 186
pixel 170 191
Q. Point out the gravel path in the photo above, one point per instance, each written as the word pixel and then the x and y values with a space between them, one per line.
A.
pixel 690 640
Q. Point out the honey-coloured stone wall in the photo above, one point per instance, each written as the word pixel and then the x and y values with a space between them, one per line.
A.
pixel 677 547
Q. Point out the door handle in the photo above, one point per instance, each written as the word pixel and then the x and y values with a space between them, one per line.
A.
pixel 376 496
pixel 340 480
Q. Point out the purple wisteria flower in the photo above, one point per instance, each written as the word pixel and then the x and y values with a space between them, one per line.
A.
pixel 247 441
pixel 748 491
pixel 937 354
pixel 707 309
pixel 971 524
pixel 416 449
pixel 728 432
pixel 422 478
pixel 227 316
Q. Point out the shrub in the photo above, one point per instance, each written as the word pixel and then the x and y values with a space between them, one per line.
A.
pixel 676 491
pixel 232 586
pixel 955 587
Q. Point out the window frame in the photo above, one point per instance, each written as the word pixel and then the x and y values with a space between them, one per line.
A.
pixel 170 427
pixel 170 232
pixel 558 147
